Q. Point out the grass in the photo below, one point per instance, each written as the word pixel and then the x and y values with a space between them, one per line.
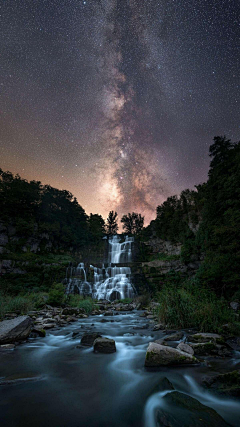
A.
pixel 19 305
pixel 190 305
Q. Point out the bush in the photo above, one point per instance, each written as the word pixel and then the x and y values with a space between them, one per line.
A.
pixel 19 305
pixel 190 305
pixel 56 295
pixel 87 305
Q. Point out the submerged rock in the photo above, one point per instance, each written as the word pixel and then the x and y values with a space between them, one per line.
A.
pixel 104 345
pixel 17 329
pixel 160 355
pixel 89 338
pixel 182 410
pixel 228 383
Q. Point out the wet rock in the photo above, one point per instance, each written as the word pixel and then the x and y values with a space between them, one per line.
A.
pixel 48 325
pixel 7 346
pixel 206 337
pixel 72 311
pixel 39 332
pixel 174 337
pixel 89 338
pixel 108 313
pixel 158 327
pixel 206 348
pixel 228 384
pixel 162 385
pixel 17 329
pixel 185 347
pixel 182 410
pixel 160 355
pixel 104 345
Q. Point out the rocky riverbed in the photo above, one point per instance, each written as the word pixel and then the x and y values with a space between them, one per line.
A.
pixel 75 369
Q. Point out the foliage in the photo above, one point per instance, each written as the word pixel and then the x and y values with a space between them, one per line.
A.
pixel 18 305
pixel 56 295
pixel 207 220
pixel 48 214
pixel 87 304
pixel 132 223
pixel 112 225
pixel 190 305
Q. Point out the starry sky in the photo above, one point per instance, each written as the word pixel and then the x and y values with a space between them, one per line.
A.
pixel 117 101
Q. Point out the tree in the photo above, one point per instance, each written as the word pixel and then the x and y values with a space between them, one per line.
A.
pixel 112 225
pixel 132 223
pixel 96 226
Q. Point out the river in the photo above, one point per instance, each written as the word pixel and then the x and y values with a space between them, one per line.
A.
pixel 74 387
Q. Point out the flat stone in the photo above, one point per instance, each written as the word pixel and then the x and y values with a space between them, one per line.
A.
pixel 205 337
pixel 17 329
pixel 174 337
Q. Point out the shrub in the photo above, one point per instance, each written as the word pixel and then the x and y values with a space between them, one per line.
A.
pixel 19 305
pixel 87 305
pixel 56 294
pixel 190 305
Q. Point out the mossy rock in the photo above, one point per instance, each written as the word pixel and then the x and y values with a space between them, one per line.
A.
pixel 179 409
pixel 228 383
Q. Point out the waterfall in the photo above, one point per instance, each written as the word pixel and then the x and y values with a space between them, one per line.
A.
pixel 111 282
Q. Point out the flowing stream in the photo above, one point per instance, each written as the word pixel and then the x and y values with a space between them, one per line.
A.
pixel 74 387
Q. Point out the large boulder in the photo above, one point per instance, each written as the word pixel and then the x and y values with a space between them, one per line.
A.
pixel 104 345
pixel 89 338
pixel 17 329
pixel 160 355
pixel 179 409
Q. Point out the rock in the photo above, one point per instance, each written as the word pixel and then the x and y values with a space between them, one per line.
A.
pixel 175 337
pixel 179 409
pixel 235 305
pixel 104 345
pixel 160 355
pixel 7 346
pixel 89 338
pixel 17 329
pixel 72 311
pixel 205 337
pixel 20 378
pixel 108 313
pixel 158 327
pixel 228 383
pixel 39 332
pixel 205 348
pixel 48 325
pixel 185 347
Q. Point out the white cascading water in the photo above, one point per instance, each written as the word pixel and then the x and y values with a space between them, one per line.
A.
pixel 109 283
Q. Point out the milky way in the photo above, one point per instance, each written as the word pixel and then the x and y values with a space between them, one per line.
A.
pixel 117 100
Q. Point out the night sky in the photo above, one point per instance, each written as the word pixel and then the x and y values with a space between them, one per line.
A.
pixel 117 101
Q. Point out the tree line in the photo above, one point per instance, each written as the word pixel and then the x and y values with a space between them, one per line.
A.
pixel 41 210
pixel 207 220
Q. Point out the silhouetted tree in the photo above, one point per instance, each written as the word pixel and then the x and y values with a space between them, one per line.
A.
pixel 132 223
pixel 112 225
